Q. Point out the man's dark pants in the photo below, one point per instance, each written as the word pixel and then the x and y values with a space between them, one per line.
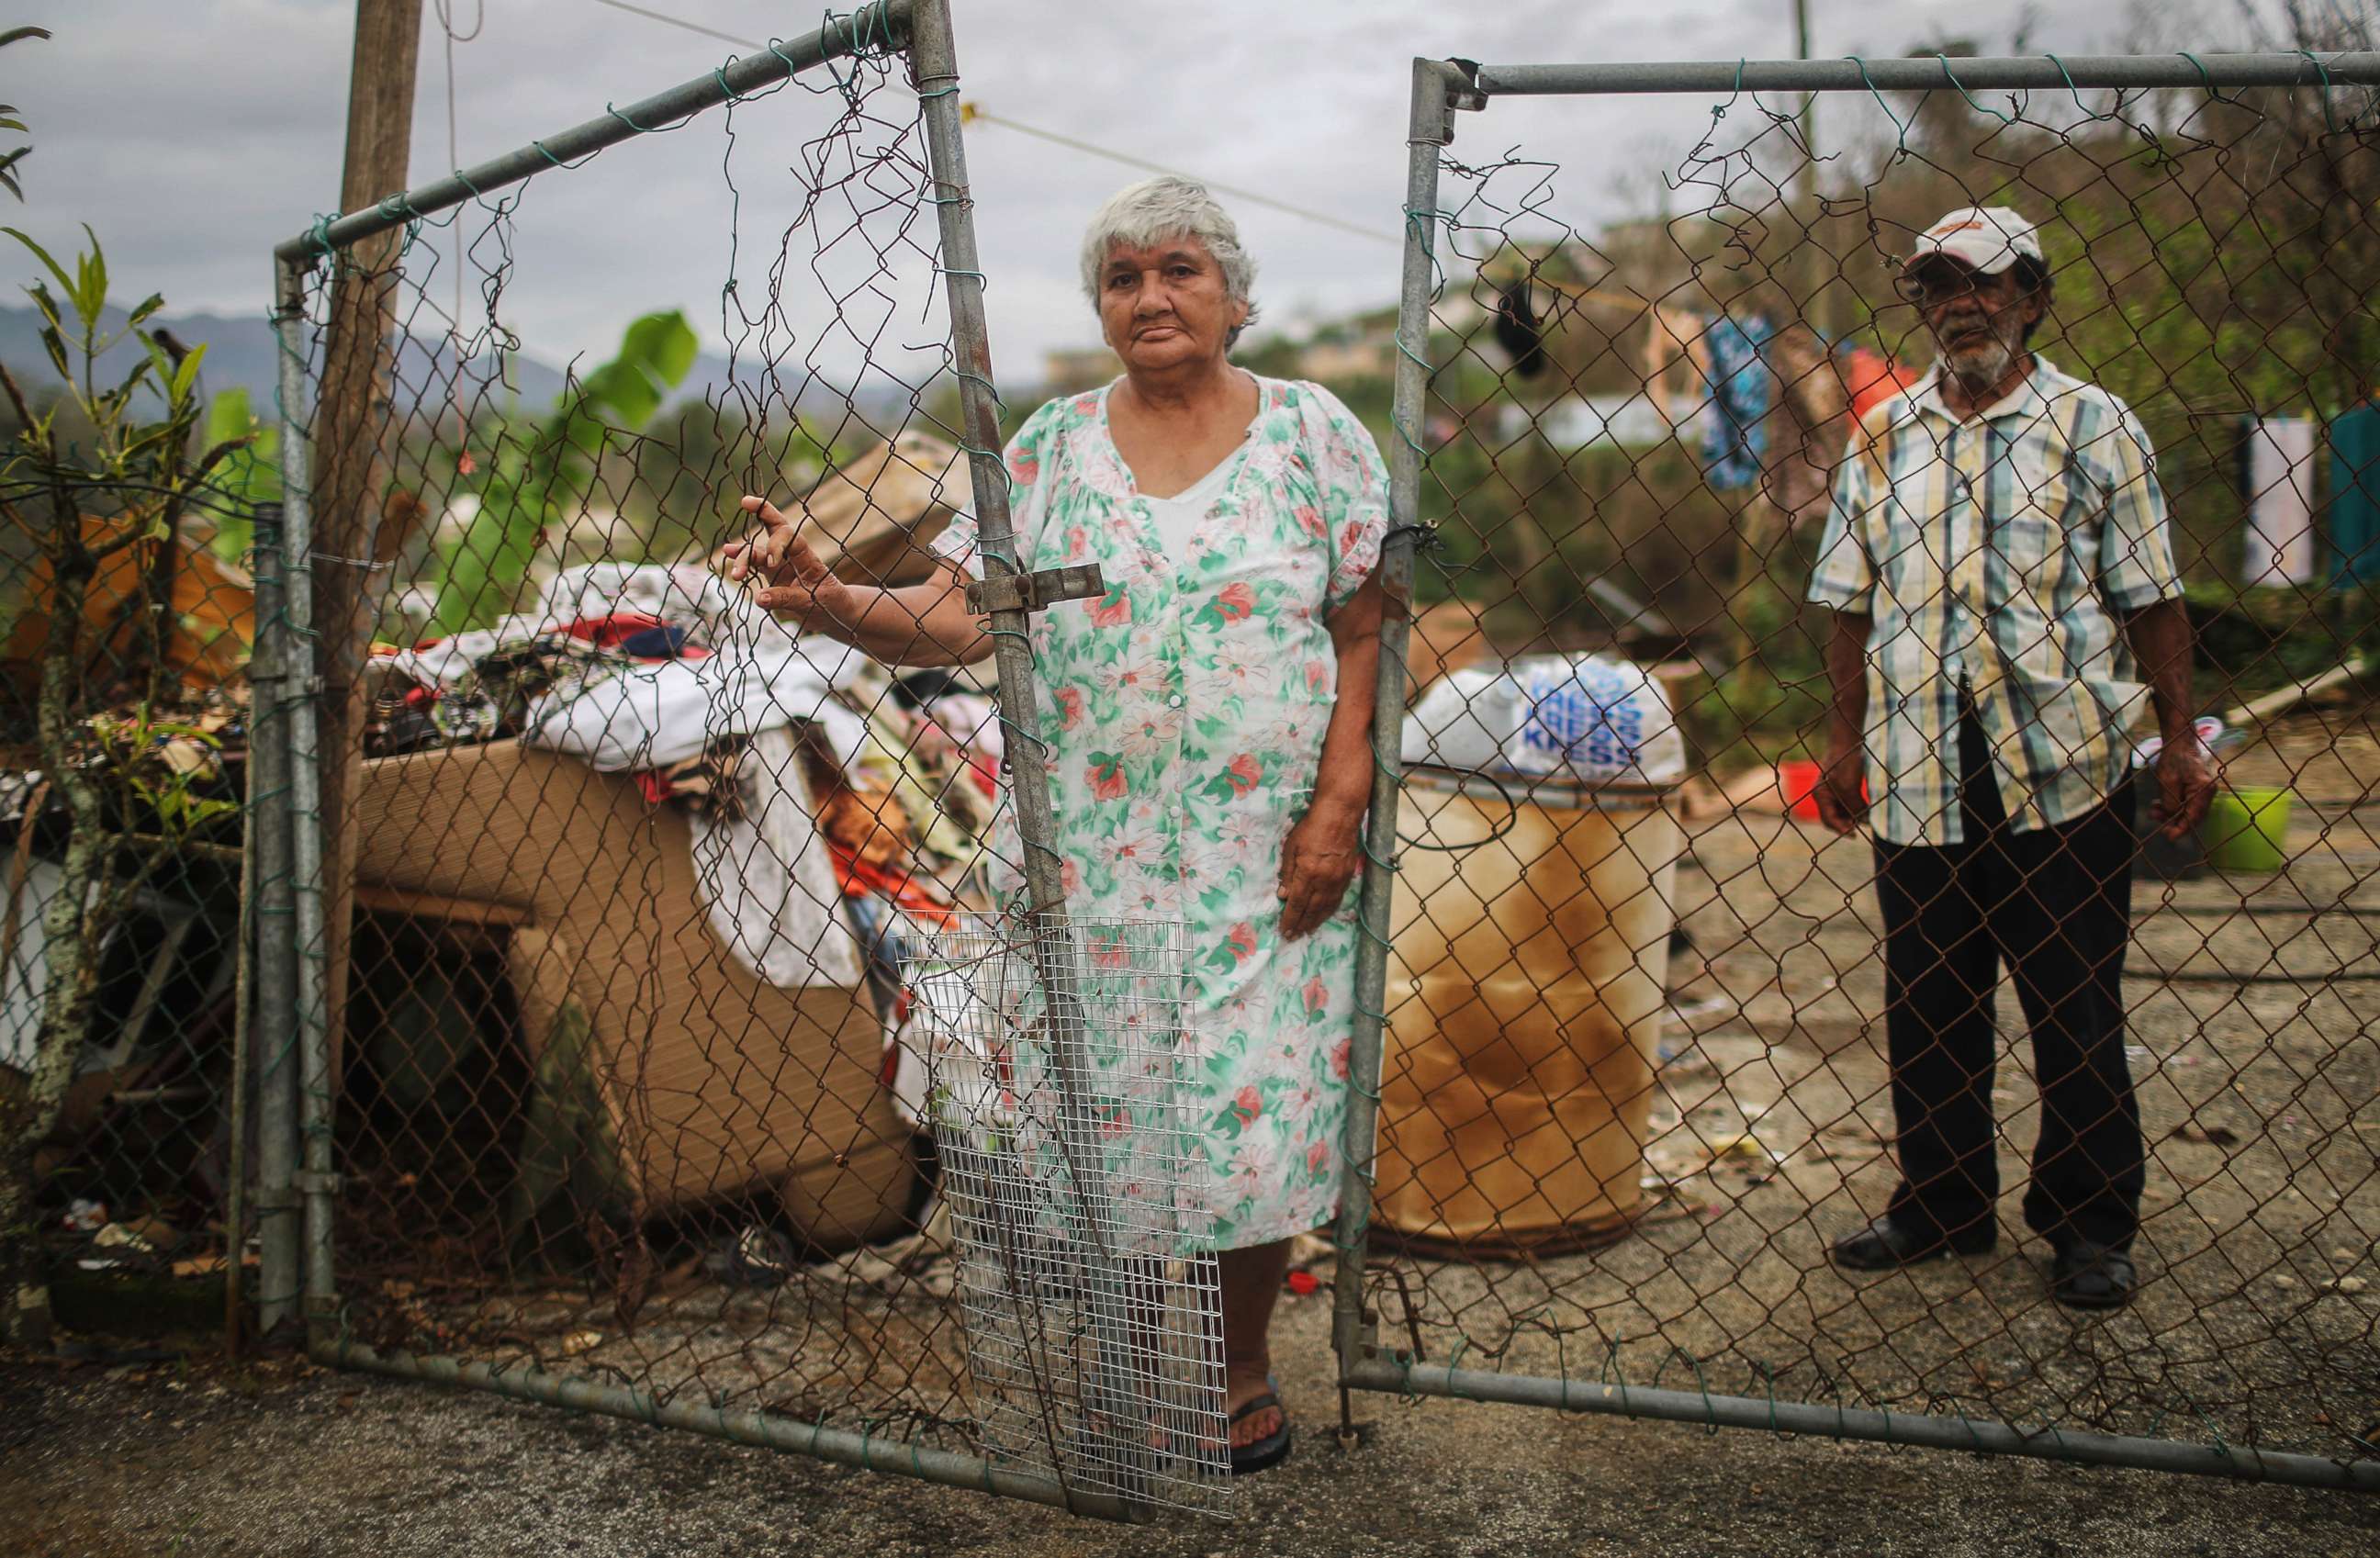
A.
pixel 2056 904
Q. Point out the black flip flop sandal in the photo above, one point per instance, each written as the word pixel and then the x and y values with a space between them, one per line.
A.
pixel 1266 1453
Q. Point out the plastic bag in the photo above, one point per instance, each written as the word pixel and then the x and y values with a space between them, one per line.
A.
pixel 1594 718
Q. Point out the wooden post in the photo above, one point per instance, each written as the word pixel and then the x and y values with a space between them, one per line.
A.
pixel 353 440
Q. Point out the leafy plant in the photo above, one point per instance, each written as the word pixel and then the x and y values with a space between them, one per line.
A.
pixel 121 487
pixel 8 120
pixel 531 484
pixel 250 475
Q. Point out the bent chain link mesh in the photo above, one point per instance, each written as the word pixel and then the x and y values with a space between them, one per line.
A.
pixel 1636 1076
pixel 1086 1276
pixel 627 1086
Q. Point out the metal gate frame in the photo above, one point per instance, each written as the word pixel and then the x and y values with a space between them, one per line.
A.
pixel 1441 88
pixel 290 1059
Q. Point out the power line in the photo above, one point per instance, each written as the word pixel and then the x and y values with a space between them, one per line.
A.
pixel 972 111
pixel 680 21
pixel 977 115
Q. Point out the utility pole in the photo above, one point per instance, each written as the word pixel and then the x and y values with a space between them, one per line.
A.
pixel 353 441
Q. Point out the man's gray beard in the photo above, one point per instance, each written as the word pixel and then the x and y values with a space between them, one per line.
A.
pixel 1978 368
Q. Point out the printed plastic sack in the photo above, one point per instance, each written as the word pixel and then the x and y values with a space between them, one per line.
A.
pixel 1465 720
pixel 1594 718
pixel 1589 717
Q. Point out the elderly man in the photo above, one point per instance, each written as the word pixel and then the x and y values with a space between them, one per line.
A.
pixel 1998 544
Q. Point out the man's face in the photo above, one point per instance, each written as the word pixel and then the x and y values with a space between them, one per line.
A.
pixel 1978 322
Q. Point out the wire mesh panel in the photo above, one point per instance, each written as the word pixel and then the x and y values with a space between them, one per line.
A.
pixel 1829 553
pixel 1058 1072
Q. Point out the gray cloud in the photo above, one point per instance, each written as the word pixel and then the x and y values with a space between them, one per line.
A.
pixel 193 134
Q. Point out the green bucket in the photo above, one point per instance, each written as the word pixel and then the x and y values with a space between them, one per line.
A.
pixel 2247 829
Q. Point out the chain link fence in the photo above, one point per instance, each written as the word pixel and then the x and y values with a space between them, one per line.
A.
pixel 622 1030
pixel 1657 1041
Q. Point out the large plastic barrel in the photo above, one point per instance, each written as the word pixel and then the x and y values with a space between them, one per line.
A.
pixel 1525 995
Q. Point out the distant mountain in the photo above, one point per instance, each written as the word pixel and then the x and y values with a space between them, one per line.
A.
pixel 241 353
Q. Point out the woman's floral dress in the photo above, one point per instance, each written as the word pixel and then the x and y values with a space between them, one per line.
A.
pixel 1184 712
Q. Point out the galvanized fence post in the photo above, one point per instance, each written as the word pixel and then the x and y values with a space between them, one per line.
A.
pixel 301 686
pixel 934 66
pixel 1435 86
pixel 270 1053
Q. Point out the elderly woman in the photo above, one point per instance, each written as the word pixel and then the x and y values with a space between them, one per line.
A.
pixel 1205 766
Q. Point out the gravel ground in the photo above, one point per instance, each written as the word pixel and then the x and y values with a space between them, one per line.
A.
pixel 99 1463
pixel 2260 1313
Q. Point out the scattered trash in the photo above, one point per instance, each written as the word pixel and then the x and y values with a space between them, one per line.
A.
pixel 1304 1284
pixel 85 1217
pixel 758 1257
pixel 2348 1285
pixel 210 1264
pixel 143 1237
pixel 581 1342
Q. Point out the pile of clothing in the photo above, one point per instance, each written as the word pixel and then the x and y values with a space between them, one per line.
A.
pixel 831 806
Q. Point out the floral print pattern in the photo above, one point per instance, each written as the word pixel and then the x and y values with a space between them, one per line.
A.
pixel 1184 712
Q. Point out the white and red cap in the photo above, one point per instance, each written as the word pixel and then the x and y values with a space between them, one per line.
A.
pixel 1989 238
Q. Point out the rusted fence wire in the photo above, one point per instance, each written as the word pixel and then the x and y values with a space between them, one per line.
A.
pixel 1658 1041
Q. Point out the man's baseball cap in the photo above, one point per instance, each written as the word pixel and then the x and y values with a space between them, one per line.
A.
pixel 1990 238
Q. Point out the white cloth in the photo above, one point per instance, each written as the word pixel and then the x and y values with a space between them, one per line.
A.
pixel 685 595
pixel 653 716
pixel 2279 546
pixel 25 981
pixel 768 884
pixel 1177 518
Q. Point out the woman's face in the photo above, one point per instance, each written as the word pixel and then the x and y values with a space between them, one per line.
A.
pixel 1166 305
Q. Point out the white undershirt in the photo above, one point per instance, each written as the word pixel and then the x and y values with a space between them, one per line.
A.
pixel 1177 518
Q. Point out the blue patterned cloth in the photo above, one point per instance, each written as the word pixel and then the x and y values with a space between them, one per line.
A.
pixel 1740 395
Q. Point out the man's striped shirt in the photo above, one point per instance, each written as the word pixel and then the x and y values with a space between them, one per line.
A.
pixel 1995 553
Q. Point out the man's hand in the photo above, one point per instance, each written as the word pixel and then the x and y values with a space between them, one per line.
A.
pixel 1842 789
pixel 2185 787
pixel 1318 859
pixel 792 583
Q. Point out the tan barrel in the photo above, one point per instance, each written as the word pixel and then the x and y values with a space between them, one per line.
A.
pixel 1525 995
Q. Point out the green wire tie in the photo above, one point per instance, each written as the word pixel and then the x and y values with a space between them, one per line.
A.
pixel 1900 148
pixel 2323 71
pixel 1981 108
pixel 557 162
pixel 2202 75
pixel 640 130
pixel 2077 91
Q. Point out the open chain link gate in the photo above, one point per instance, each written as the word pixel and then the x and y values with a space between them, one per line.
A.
pixel 1625 1058
pixel 674 1056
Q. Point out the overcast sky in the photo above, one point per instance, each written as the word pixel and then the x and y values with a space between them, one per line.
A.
pixel 193 134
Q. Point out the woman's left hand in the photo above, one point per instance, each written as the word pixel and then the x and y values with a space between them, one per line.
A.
pixel 1319 858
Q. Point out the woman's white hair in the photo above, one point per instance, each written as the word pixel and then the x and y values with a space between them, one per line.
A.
pixel 1141 216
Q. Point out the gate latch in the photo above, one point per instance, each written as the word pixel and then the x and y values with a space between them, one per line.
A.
pixel 1034 592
